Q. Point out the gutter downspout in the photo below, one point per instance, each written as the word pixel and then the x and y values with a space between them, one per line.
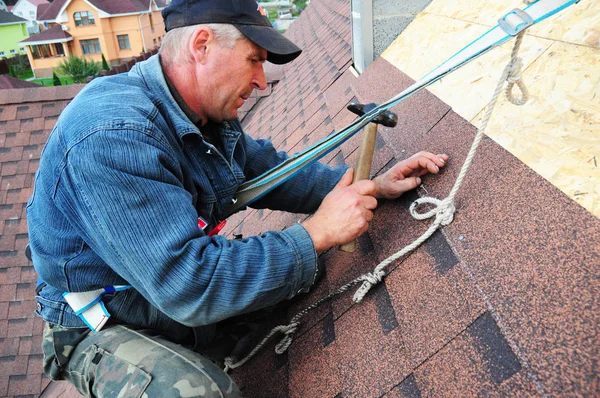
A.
pixel 362 33
pixel 142 33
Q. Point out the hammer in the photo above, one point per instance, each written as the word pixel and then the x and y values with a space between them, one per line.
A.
pixel 367 148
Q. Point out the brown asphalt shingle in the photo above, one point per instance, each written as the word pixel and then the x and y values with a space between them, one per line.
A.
pixel 500 302
pixel 56 32
pixel 7 82
pixel 26 117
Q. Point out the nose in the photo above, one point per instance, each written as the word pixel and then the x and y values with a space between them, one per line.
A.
pixel 259 80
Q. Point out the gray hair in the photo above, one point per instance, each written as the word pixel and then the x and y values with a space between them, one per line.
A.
pixel 174 44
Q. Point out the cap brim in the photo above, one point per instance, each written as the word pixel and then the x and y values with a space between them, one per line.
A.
pixel 280 50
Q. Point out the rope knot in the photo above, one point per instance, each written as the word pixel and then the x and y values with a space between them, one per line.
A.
pixel 514 73
pixel 286 341
pixel 369 279
pixel 446 212
pixel 443 210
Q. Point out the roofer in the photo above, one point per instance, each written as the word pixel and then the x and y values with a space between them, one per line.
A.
pixel 136 163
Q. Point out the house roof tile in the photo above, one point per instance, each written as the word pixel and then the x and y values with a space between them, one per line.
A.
pixel 54 33
pixel 8 18
pixel 39 2
pixel 49 13
pixel 41 9
pixel 123 6
pixel 109 6
pixel 26 117
pixel 7 82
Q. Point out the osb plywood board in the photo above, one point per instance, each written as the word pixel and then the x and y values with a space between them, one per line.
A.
pixel 579 24
pixel 478 78
pixel 557 133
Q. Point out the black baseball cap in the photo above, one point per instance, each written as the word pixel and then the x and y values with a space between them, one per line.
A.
pixel 246 15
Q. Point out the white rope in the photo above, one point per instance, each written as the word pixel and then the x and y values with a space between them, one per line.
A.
pixel 443 210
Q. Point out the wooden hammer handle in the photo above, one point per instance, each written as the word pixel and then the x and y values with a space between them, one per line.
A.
pixel 363 168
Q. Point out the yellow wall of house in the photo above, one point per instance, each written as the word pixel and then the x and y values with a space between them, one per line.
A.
pixel 106 31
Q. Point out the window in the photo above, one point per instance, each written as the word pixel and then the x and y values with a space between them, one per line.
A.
pixel 154 41
pixel 2 54
pixel 41 51
pixel 22 49
pixel 84 18
pixel 90 46
pixel 12 51
pixel 59 50
pixel 32 14
pixel 123 42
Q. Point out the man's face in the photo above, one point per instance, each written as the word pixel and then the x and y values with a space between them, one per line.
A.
pixel 233 74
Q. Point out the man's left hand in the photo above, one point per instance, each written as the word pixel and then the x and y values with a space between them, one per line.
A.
pixel 405 175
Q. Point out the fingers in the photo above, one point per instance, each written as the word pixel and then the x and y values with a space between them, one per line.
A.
pixel 365 187
pixel 369 202
pixel 439 160
pixel 346 179
pixel 369 216
pixel 409 183
pixel 423 162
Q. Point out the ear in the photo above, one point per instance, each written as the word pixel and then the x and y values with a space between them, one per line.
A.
pixel 201 43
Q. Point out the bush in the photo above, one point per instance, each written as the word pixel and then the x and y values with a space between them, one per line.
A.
pixel 78 68
pixel 55 79
pixel 104 63
pixel 20 62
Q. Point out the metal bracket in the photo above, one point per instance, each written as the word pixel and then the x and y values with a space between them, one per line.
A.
pixel 515 22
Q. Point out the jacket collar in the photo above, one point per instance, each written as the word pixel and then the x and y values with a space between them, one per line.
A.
pixel 153 76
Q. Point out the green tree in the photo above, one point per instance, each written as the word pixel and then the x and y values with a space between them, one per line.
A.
pixel 78 68
pixel 11 71
pixel 55 79
pixel 104 63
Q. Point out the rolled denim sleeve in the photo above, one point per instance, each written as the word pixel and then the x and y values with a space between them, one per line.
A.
pixel 122 190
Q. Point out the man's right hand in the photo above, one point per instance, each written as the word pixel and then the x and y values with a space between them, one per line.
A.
pixel 344 214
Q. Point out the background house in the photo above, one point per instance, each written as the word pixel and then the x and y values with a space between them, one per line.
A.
pixel 12 30
pixel 28 9
pixel 3 6
pixel 119 30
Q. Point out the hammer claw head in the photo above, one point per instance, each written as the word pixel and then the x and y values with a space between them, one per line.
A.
pixel 387 118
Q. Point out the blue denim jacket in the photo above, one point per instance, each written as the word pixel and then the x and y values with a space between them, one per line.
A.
pixel 122 181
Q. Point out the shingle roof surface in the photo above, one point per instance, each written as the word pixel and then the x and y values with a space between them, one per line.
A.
pixel 502 302
pixel 56 32
pixel 8 17
pixel 51 12
pixel 7 82
pixel 41 9
pixel 38 2
pixel 26 117
pixel 122 6
pixel 109 6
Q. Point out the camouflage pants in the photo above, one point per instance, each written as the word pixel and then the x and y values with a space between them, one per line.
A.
pixel 120 361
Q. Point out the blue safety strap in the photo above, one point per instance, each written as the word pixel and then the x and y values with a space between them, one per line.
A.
pixel 508 26
pixel 89 306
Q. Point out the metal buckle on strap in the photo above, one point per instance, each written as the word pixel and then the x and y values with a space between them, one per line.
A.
pixel 515 22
